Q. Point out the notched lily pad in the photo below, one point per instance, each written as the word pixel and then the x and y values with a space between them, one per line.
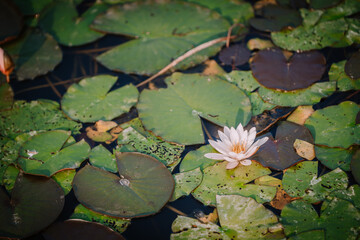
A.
pixel 186 182
pixel 279 153
pixel 90 99
pixel 195 159
pixel 32 197
pixel 47 153
pixel 235 55
pixel 143 188
pixel 271 69
pixel 302 181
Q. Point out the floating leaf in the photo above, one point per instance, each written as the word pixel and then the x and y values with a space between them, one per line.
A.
pixel 9 178
pixel 235 55
pixel 301 180
pixel 346 8
pixel 117 224
pixel 313 235
pixel 13 19
pixel 355 166
pixel 186 182
pixel 352 194
pixel 101 157
pixel 259 44
pixel 300 114
pixel 64 179
pixel 272 70
pixel 134 138
pixel 249 219
pixel 143 188
pixel 334 157
pixel 34 116
pixel 42 54
pixel 45 153
pixel 304 149
pixel 218 180
pixel 154 46
pixel 275 18
pixel 75 229
pixel 351 68
pixel 280 154
pixel 335 126
pixel 99 131
pixel 6 96
pixel 32 7
pixel 195 159
pixel 343 81
pixel 32 197
pixel 339 220
pixel 187 98
pixel 318 4
pixel 90 99
pixel 258 105
pixel 61 20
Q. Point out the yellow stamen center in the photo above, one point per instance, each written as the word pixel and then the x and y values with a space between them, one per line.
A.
pixel 238 148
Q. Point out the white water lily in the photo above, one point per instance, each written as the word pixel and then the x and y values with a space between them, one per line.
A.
pixel 236 146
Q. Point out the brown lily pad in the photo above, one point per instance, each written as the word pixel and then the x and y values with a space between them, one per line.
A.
pixel 235 55
pixel 279 153
pixel 352 66
pixel 272 70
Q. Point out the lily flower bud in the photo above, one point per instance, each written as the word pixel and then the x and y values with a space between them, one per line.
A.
pixel 6 64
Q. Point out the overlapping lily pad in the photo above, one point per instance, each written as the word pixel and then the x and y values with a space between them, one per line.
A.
pixel 61 20
pixel 101 157
pixel 351 66
pixel 34 116
pixel 195 159
pixel 235 55
pixel 90 99
pixel 334 157
pixel 319 4
pixel 343 81
pixel 41 56
pixel 217 180
pixel 352 194
pixel 47 153
pixel 134 138
pixel 302 181
pixel 335 126
pixel 143 188
pixel 10 15
pixel 64 178
pixel 31 198
pixel 186 182
pixel 6 96
pixel 187 98
pixel 339 220
pixel 154 46
pixel 271 69
pixel 279 153
pixel 117 224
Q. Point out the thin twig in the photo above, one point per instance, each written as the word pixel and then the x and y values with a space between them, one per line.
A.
pixel 87 51
pixel 47 85
pixel 53 87
pixel 229 33
pixel 184 56
pixel 175 210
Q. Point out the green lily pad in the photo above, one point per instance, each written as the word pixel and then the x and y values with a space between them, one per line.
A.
pixel 249 219
pixel 335 126
pixel 101 157
pixel 143 188
pixel 9 178
pixel 64 178
pixel 187 98
pixel 154 46
pixel 355 166
pixel 235 11
pixel 32 7
pixel 134 138
pixel 275 18
pixel 42 54
pixel 258 105
pixel 34 116
pixel 318 4
pixel 279 153
pixel 6 96
pixel 302 181
pixel 10 15
pixel 45 153
pixel 340 219
pixel 117 224
pixel 195 159
pixel 334 157
pixel 352 194
pixel 343 81
pixel 313 235
pixel 218 180
pixel 61 20
pixel 31 198
pixel 186 182
pixel 346 8
pixel 74 229
pixel 90 99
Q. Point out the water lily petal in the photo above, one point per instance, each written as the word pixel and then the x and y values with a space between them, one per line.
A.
pixel 252 150
pixel 229 159
pixel 240 156
pixel 225 139
pixel 261 141
pixel 234 136
pixel 227 131
pixel 218 146
pixel 232 165
pixel 240 129
pixel 244 138
pixel 251 138
pixel 215 156
pixel 246 162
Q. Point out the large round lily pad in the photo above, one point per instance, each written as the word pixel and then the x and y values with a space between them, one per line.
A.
pixel 340 219
pixel 143 188
pixel 160 36
pixel 174 113
pixel 271 69
pixel 47 153
pixel 302 181
pixel 31 198
pixel 90 99
pixel 34 116
pixel 41 56
pixel 61 20
pixel 335 126
pixel 10 15
pixel 279 153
